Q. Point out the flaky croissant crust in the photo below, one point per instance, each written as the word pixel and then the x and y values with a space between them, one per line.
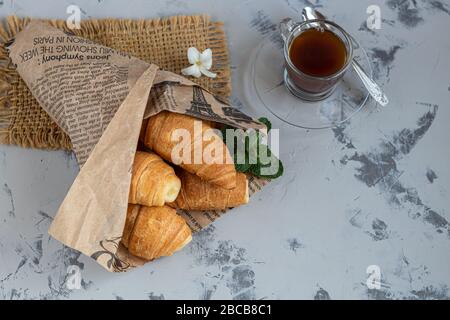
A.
pixel 153 232
pixel 197 194
pixel 153 182
pixel 158 137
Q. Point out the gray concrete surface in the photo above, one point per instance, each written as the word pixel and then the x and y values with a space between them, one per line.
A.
pixel 371 194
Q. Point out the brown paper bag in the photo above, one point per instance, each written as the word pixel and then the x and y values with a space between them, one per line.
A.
pixel 99 97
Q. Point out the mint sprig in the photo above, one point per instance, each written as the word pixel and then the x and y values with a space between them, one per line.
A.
pixel 258 168
pixel 253 149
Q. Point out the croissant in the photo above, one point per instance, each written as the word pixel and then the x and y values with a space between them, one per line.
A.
pixel 153 182
pixel 158 137
pixel 197 194
pixel 153 232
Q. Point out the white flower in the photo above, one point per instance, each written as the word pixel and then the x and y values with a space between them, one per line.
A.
pixel 201 63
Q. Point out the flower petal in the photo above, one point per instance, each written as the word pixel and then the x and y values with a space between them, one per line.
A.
pixel 193 70
pixel 206 59
pixel 193 55
pixel 207 73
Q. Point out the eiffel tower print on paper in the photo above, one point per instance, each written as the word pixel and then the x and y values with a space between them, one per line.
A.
pixel 236 115
pixel 233 113
pixel 200 107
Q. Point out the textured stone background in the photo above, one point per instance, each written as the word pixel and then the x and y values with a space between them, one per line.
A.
pixel 373 192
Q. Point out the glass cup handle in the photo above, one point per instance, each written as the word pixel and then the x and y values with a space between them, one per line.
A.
pixel 286 26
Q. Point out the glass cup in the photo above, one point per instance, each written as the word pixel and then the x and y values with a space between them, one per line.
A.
pixel 304 86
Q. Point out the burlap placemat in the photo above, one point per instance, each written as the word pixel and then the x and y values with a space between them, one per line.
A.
pixel 160 41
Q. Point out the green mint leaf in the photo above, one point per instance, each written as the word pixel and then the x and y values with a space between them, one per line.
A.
pixel 253 149
pixel 256 170
pixel 266 163
pixel 251 145
pixel 241 167
pixel 244 167
pixel 266 122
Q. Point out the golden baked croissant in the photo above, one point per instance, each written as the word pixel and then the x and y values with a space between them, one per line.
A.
pixel 158 137
pixel 153 182
pixel 153 232
pixel 197 194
